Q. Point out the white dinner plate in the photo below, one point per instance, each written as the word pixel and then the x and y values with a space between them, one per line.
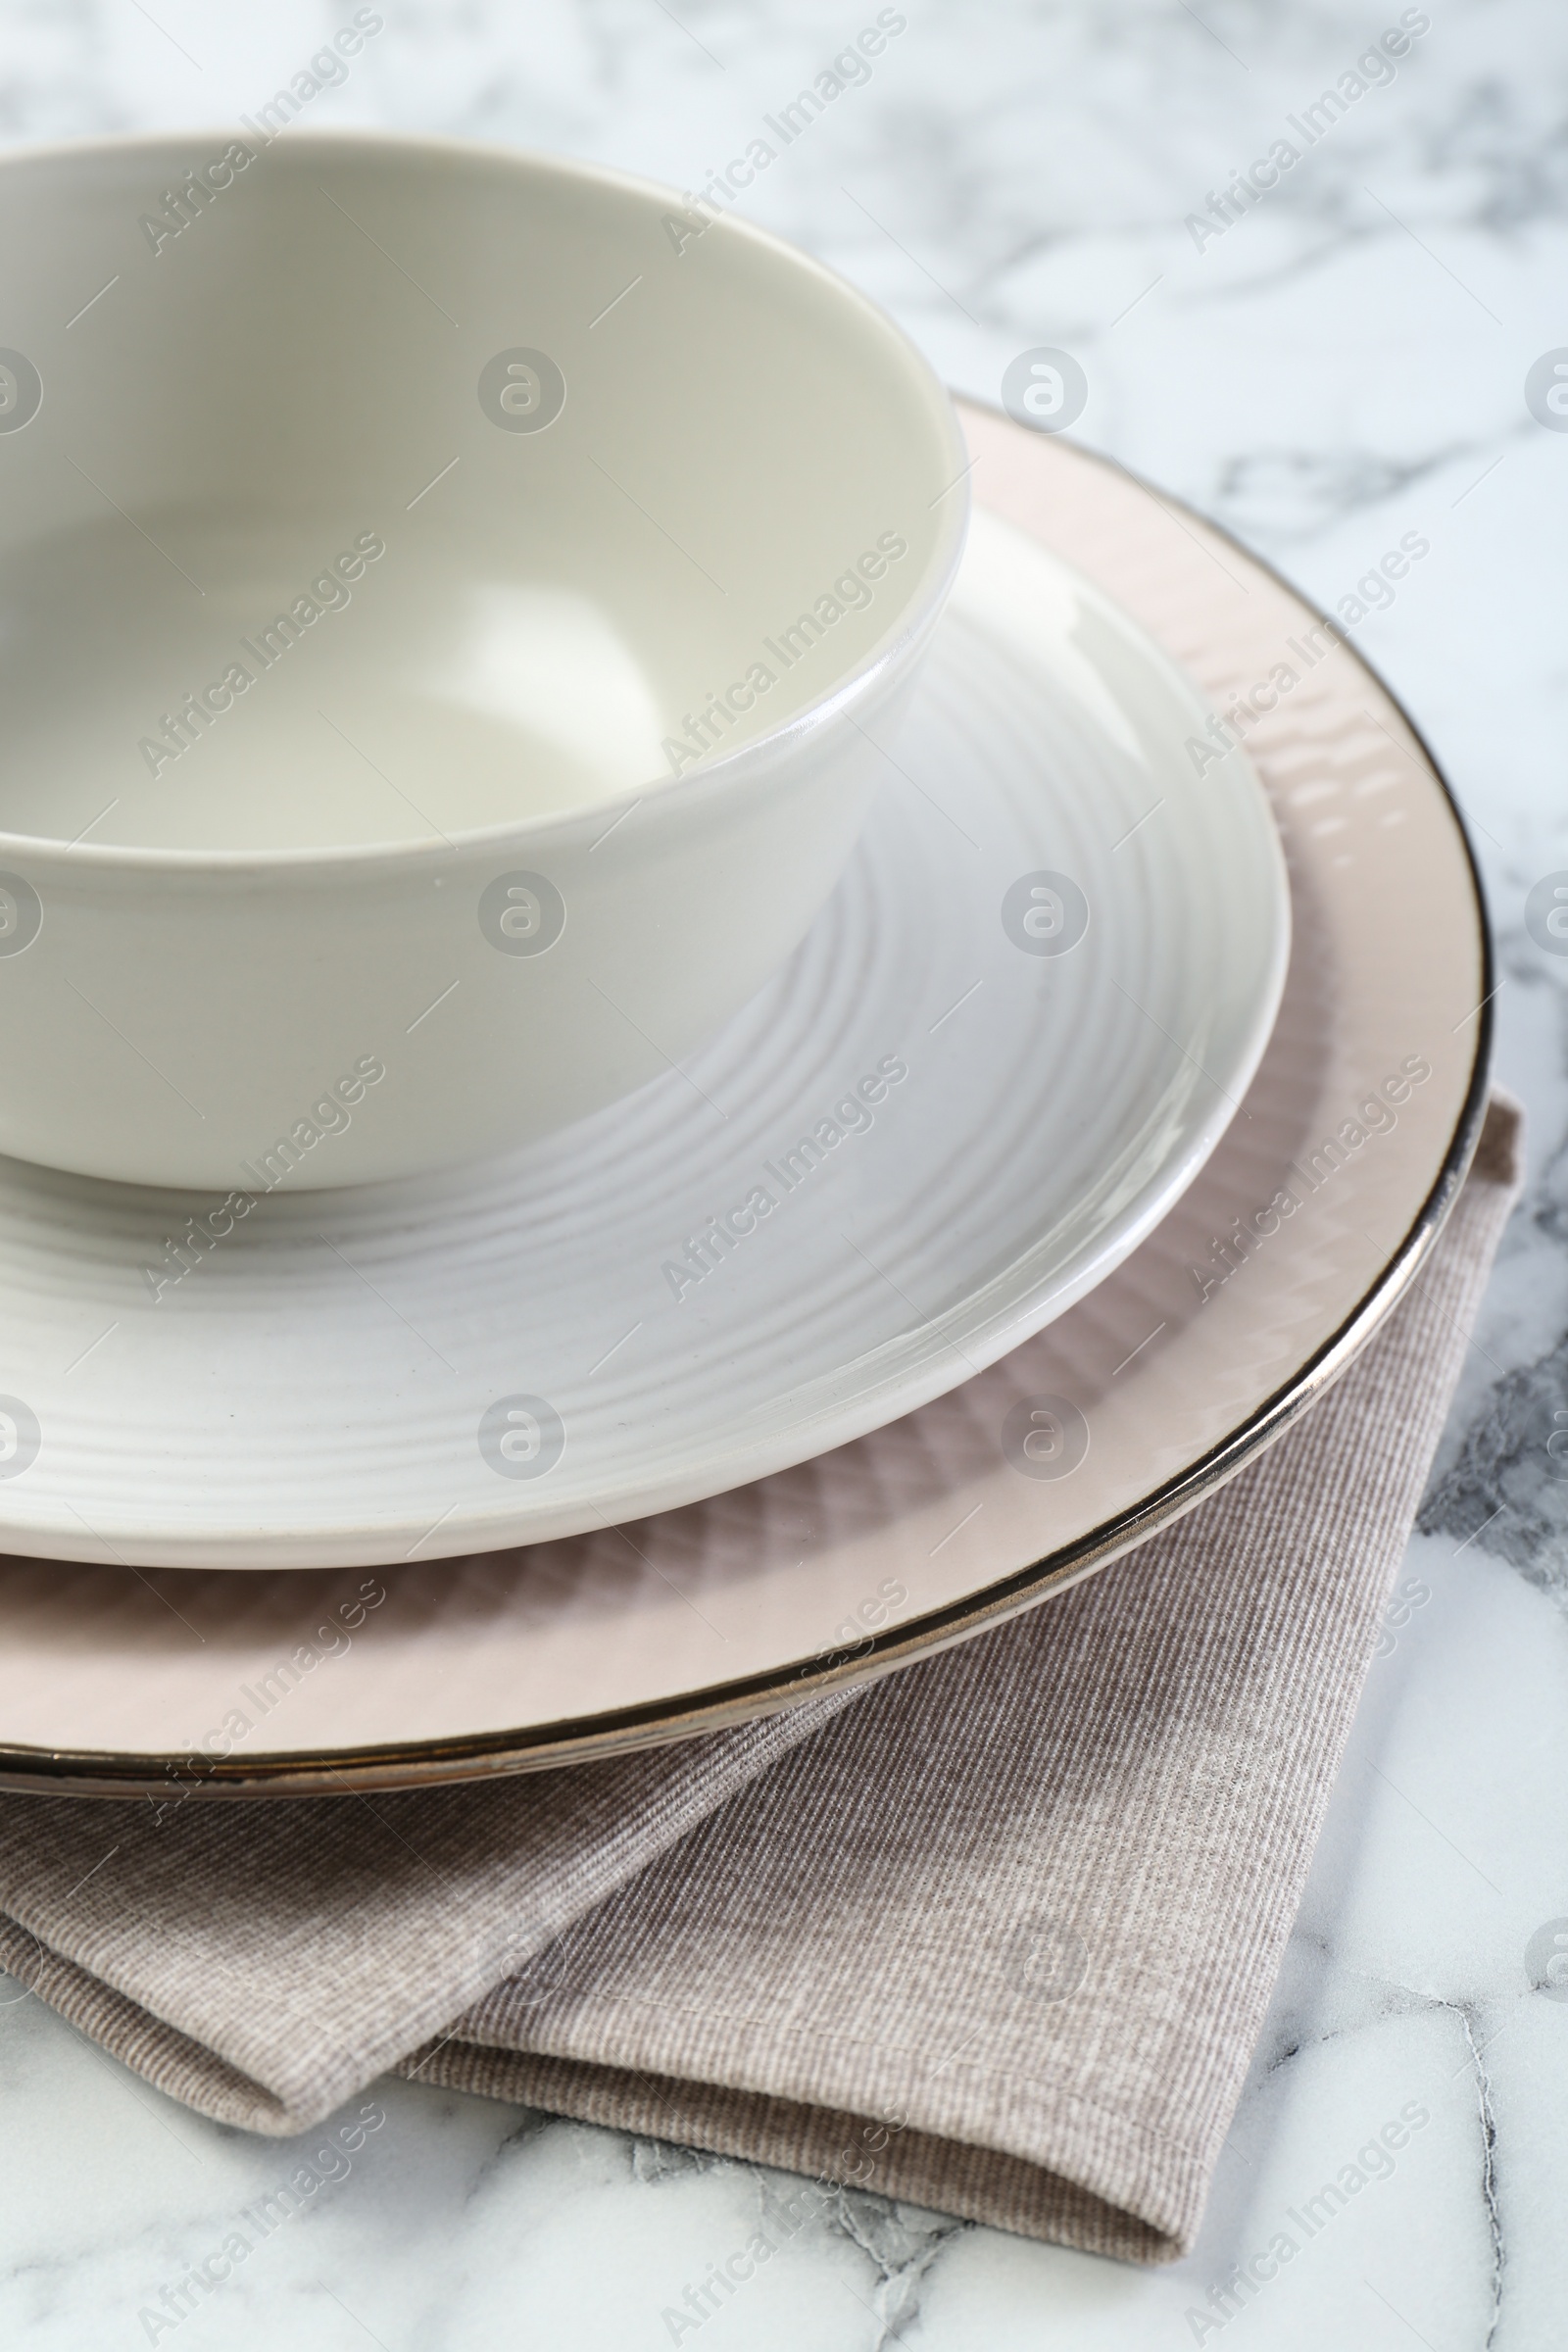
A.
pixel 1008 1046
pixel 1203 1346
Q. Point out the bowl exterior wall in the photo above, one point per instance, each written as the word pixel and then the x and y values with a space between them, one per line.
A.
pixel 350 1021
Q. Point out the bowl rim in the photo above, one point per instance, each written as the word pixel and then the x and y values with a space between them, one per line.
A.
pixel 863 683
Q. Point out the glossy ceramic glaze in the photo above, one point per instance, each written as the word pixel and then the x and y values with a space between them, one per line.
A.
pixel 925 1530
pixel 1015 1033
pixel 444 594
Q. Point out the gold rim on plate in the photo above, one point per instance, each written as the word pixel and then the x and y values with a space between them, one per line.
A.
pixel 720 1704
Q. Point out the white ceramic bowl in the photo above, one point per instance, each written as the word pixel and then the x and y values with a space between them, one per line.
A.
pixel 446 599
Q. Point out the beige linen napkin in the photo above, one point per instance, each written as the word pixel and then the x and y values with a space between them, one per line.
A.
pixel 996 1935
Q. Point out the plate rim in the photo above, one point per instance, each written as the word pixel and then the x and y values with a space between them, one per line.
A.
pixel 833 1403
pixel 720 1706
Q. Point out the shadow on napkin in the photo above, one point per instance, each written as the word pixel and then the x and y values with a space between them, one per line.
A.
pixel 997 1935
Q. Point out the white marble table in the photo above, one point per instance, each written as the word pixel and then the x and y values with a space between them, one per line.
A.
pixel 1340 362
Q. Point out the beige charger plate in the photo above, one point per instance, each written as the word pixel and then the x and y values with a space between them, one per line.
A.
pixel 924 1531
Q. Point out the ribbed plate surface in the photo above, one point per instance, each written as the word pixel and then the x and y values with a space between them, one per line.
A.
pixel 928 1137
pixel 1181 1364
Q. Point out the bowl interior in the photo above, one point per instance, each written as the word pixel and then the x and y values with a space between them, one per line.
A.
pixel 384 490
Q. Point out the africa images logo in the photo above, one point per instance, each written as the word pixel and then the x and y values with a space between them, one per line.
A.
pixel 850 592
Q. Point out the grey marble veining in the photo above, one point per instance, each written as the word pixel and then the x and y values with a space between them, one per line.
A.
pixel 1343 361
pixel 1502 1475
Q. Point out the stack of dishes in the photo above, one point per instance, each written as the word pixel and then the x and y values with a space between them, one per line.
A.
pixel 644 1076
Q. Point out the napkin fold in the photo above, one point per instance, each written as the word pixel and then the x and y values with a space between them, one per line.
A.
pixel 996 1934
